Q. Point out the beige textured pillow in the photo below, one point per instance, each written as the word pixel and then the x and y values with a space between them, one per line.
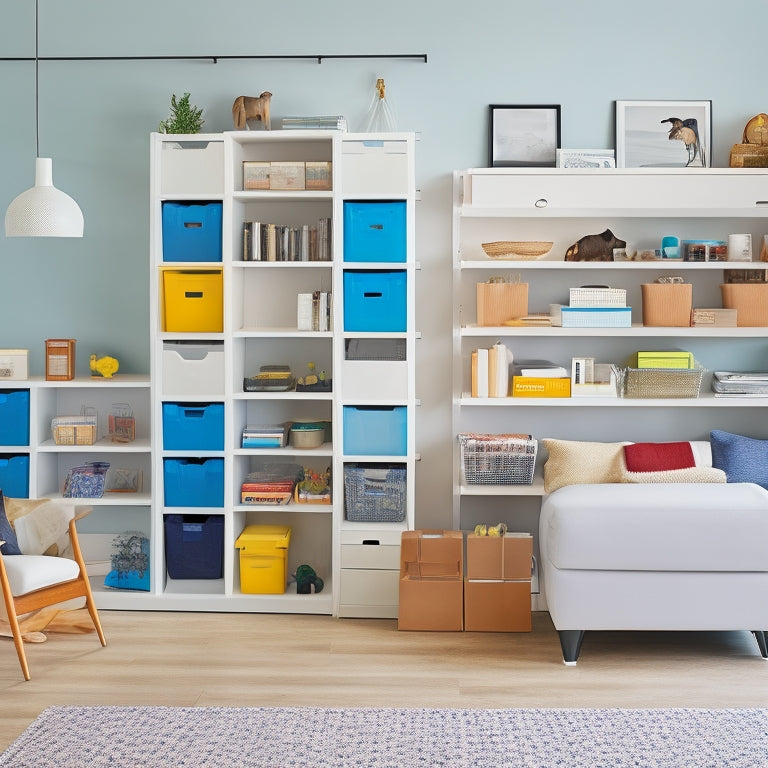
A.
pixel 574 462
pixel 41 525
pixel 689 475
pixel 18 507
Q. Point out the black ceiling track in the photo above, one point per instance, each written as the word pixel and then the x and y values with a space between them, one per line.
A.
pixel 215 59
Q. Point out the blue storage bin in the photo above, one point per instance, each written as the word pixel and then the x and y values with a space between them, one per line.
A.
pixel 14 476
pixel 193 426
pixel 375 300
pixel 194 546
pixel 14 417
pixel 375 231
pixel 193 482
pixel 375 430
pixel 192 231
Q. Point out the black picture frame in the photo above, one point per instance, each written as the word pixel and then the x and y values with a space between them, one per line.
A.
pixel 523 135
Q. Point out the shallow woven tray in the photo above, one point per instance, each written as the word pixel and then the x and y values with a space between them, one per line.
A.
pixel 517 249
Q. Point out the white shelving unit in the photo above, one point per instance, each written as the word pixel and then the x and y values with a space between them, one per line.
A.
pixel 48 463
pixel 259 327
pixel 562 205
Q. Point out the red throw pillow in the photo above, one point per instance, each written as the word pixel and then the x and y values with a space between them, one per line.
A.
pixel 657 457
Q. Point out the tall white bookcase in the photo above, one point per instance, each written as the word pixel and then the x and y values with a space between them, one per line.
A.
pixel 259 327
pixel 640 206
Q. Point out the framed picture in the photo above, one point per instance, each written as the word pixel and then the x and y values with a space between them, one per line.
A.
pixel 586 158
pixel 524 135
pixel 663 134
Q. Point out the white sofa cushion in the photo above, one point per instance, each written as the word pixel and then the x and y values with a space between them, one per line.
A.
pixel 671 527
pixel 27 573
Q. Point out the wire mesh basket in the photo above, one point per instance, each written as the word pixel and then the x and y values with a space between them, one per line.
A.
pixel 374 493
pixel 649 383
pixel 505 459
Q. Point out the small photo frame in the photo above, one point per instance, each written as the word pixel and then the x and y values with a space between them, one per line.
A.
pixel 663 134
pixel 124 480
pixel 586 158
pixel 523 135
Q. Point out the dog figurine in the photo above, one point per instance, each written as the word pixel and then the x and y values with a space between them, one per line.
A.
pixel 248 108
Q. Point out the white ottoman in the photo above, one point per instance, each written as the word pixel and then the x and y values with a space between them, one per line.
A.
pixel 678 556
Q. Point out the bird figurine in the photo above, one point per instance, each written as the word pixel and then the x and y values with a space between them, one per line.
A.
pixel 687 131
pixel 103 367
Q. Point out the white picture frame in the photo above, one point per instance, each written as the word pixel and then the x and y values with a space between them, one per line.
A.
pixel 663 134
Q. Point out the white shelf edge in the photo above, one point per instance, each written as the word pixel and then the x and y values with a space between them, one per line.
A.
pixel 637 329
pixel 660 264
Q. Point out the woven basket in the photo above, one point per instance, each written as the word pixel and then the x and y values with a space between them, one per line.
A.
pixel 642 383
pixel 520 249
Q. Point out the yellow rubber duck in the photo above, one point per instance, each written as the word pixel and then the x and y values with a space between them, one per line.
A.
pixel 104 367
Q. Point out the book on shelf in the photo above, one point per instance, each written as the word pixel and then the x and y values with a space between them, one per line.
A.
pixel 740 383
pixel 315 122
pixel 314 311
pixel 278 242
pixel 540 369
pixel 490 371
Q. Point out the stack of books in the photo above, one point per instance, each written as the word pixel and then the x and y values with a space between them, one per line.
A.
pixel 540 378
pixel 271 484
pixel 596 306
pixel 490 371
pixel 315 122
pixel 740 383
pixel 279 242
pixel 265 436
pixel 314 311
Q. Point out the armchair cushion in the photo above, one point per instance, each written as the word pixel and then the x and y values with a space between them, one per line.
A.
pixel 27 573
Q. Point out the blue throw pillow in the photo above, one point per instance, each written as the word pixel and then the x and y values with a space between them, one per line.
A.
pixel 743 459
pixel 7 534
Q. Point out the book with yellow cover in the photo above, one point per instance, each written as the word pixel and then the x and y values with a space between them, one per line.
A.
pixel 540 386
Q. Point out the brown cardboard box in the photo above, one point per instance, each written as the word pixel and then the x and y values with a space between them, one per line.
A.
pixel 432 554
pixel 750 300
pixel 434 605
pixel 667 304
pixel 431 592
pixel 503 558
pixel 497 606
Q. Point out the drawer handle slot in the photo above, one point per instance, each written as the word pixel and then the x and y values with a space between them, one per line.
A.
pixel 371 542
pixel 193 294
pixel 193 224
pixel 372 294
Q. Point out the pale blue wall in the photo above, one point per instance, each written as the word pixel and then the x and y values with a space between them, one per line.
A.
pixel 96 118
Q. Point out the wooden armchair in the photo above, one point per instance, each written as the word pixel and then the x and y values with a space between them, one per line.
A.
pixel 33 582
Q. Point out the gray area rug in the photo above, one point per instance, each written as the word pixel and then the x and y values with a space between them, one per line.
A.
pixel 310 737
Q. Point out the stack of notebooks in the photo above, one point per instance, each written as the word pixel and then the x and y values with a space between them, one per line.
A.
pixel 265 436
pixel 273 483
pixel 740 383
pixel 540 378
pixel 490 371
pixel 315 122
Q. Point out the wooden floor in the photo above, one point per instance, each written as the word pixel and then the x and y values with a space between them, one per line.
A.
pixel 187 659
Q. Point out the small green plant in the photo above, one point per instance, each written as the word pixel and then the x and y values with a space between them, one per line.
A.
pixel 314 482
pixel 185 118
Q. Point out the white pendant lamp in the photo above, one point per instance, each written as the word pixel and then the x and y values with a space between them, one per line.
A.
pixel 43 210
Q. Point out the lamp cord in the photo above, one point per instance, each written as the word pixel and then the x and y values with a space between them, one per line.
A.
pixel 37 85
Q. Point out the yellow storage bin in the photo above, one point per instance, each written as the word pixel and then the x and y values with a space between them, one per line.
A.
pixel 264 559
pixel 193 301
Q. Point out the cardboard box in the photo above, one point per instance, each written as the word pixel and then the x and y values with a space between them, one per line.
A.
pixel 716 317
pixel 503 558
pixel 497 606
pixel 318 174
pixel 287 175
pixel 256 174
pixel 431 590
pixel 431 605
pixel 750 300
pixel 665 359
pixel 667 304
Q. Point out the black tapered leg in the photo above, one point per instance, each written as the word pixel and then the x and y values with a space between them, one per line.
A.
pixel 762 642
pixel 570 642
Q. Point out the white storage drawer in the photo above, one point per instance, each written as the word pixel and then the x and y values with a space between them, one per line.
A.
pixel 369 588
pixel 377 168
pixel 193 369
pixel 192 168
pixel 370 556
pixel 633 189
pixel 375 380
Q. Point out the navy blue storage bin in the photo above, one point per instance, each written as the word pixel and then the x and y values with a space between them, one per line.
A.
pixel 371 430
pixel 192 231
pixel 375 231
pixel 193 426
pixel 14 417
pixel 375 300
pixel 193 482
pixel 14 476
pixel 194 546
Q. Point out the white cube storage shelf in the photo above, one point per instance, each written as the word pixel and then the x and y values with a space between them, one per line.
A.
pixel 195 365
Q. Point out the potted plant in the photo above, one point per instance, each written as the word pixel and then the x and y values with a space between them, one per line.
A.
pixel 314 487
pixel 184 118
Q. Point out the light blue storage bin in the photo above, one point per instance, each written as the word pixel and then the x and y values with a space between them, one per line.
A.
pixel 14 417
pixel 193 426
pixel 192 231
pixel 375 430
pixel 375 300
pixel 14 476
pixel 193 482
pixel 375 231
